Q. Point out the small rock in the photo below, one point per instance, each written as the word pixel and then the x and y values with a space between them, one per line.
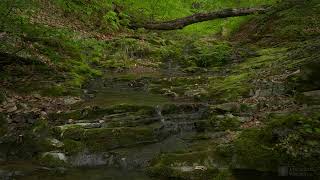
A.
pixel 38 96
pixel 185 168
pixel 202 168
pixel 10 100
pixel 243 119
pixel 229 115
pixel 90 125
pixel 71 100
pixel 31 120
pixel 220 116
pixel 12 109
pixel 22 106
pixel 55 142
pixel 70 121
pixel 43 113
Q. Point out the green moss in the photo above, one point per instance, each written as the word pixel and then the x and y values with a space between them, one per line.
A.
pixel 254 154
pixel 73 132
pixel 267 58
pixel 72 146
pixel 41 128
pixel 58 90
pixel 231 87
pixel 295 25
pixel 226 123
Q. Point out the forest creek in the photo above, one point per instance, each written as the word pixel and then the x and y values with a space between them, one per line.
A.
pixel 159 89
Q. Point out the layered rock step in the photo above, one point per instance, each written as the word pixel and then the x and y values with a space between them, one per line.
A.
pixel 132 136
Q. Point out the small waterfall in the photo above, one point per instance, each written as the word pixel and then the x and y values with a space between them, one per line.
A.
pixel 159 113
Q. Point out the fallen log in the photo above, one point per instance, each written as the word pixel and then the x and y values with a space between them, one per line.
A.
pixel 180 23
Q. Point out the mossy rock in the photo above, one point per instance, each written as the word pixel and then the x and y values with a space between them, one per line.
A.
pixel 109 138
pixel 286 139
pixel 53 159
pixel 73 132
pixel 41 127
pixel 73 147
pixel 251 153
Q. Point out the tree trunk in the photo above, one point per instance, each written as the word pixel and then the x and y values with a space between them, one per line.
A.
pixel 196 18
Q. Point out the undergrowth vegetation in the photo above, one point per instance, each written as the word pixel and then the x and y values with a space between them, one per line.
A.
pixel 67 47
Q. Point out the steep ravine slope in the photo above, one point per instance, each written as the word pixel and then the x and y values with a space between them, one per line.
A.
pixel 209 108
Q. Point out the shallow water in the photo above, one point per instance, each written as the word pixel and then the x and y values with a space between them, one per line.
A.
pixel 109 96
pixel 29 171
pixel 101 173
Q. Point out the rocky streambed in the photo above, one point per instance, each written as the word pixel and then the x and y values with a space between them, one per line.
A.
pixel 141 127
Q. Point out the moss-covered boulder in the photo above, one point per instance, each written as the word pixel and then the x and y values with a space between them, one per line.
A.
pixel 287 139
pixel 53 159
